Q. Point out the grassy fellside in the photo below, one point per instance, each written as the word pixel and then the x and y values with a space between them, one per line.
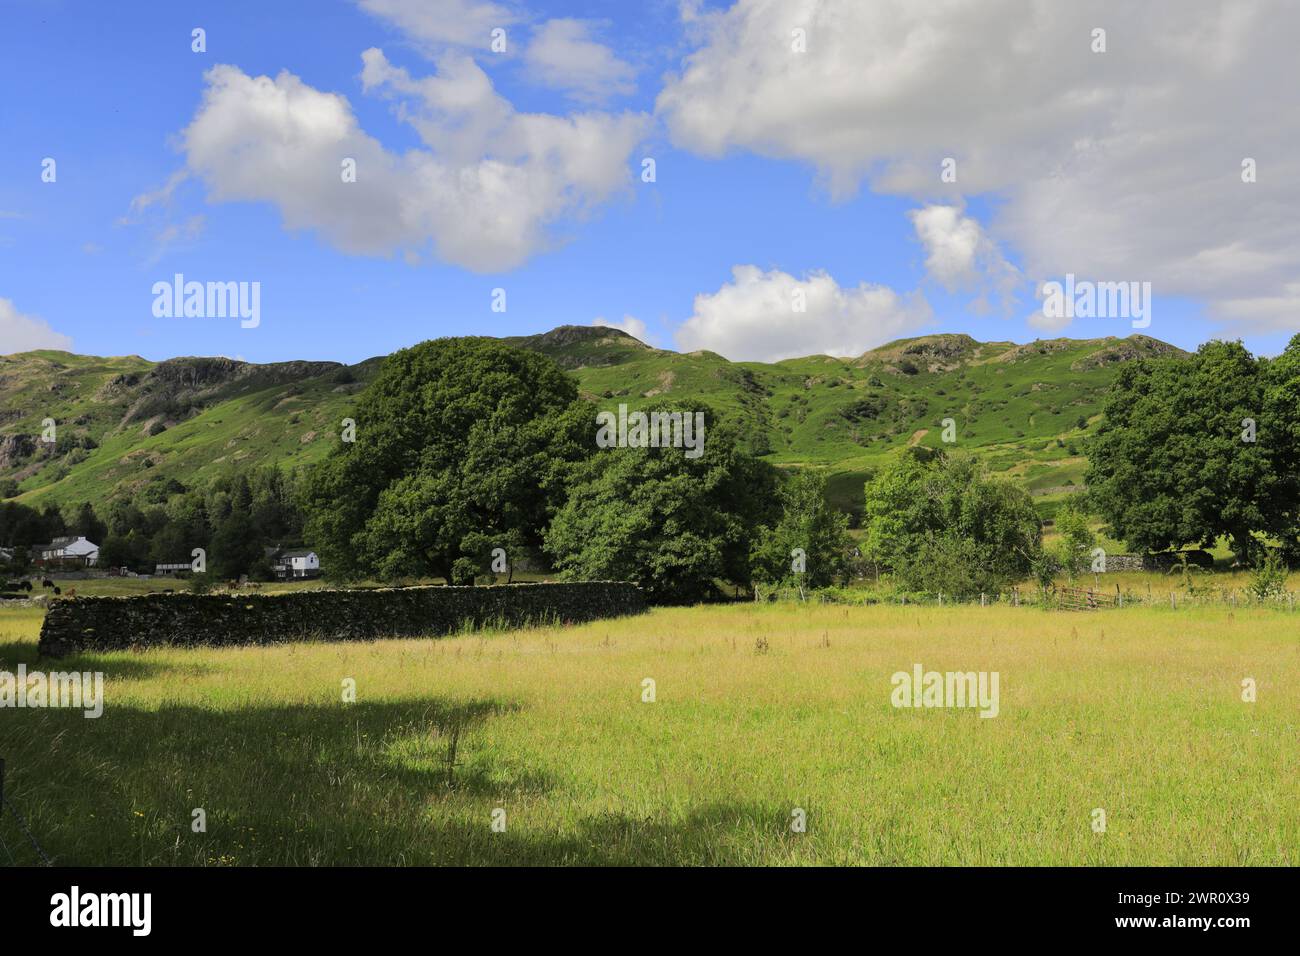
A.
pixel 1136 711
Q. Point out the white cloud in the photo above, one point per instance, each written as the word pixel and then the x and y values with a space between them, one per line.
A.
pixel 1275 313
pixel 155 206
pixel 629 324
pixel 754 317
pixel 175 234
pixel 959 253
pixel 1039 319
pixel 1123 165
pixel 563 55
pixel 23 333
pixel 485 191
pixel 160 196
pixel 439 23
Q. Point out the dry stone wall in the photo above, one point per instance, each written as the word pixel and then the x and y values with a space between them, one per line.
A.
pixel 1161 561
pixel 214 620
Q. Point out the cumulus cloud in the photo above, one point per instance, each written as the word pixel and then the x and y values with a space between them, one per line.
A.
pixel 1122 165
pixel 959 254
pixel 1039 319
pixel 23 333
pixel 439 23
pixel 755 317
pixel 562 54
pixel 629 324
pixel 485 190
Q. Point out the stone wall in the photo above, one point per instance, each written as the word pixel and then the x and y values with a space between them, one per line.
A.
pixel 1123 562
pixel 1161 561
pixel 191 620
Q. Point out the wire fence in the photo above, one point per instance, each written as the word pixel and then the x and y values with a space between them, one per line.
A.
pixel 1058 597
pixel 7 806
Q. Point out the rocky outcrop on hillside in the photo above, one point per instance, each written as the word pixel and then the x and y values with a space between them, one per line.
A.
pixel 172 389
pixel 928 353
pixel 583 346
pixel 15 449
pixel 1125 350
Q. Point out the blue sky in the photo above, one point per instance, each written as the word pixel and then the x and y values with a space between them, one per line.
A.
pixel 108 89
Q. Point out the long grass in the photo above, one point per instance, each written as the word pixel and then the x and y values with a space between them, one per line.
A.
pixel 760 711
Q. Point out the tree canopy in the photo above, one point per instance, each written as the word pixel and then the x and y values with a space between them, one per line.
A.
pixel 673 523
pixel 1188 450
pixel 459 443
pixel 808 528
pixel 940 524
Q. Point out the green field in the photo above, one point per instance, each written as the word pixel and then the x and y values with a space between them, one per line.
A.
pixel 760 710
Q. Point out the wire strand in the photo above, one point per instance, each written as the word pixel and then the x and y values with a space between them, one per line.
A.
pixel 22 824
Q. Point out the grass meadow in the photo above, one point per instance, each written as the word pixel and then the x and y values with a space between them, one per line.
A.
pixel 759 710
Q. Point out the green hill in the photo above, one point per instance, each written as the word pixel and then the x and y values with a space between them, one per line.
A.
pixel 130 427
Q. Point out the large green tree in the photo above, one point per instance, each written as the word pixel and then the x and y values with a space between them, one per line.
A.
pixel 940 524
pixel 1176 460
pixel 673 523
pixel 1280 438
pixel 459 447
pixel 809 544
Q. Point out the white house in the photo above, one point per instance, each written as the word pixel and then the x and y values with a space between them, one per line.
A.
pixel 299 563
pixel 67 550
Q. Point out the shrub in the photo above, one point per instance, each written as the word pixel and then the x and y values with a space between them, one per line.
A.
pixel 1268 580
pixel 940 524
pixel 1074 549
pixel 809 523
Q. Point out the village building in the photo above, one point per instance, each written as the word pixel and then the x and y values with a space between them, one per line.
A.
pixel 68 551
pixel 294 563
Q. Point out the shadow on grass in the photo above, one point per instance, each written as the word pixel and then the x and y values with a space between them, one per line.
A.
pixel 121 789
pixel 364 783
pixel 714 834
pixel 118 664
